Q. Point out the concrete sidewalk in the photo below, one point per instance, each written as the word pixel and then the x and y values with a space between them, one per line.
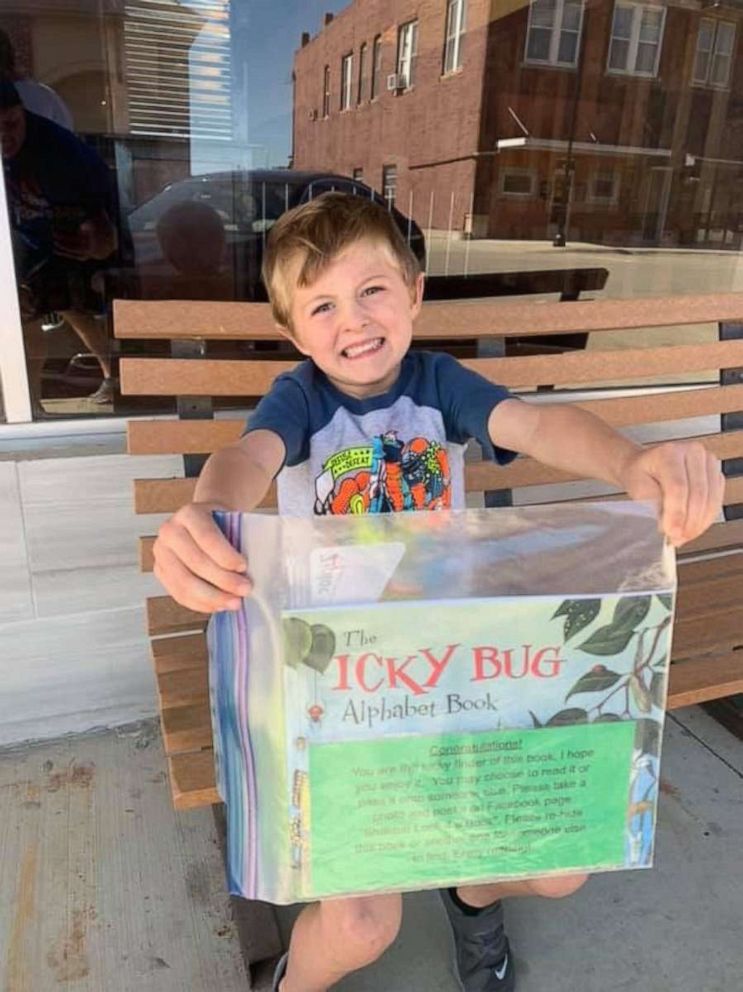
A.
pixel 105 889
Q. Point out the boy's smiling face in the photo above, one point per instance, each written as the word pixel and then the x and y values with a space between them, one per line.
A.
pixel 356 319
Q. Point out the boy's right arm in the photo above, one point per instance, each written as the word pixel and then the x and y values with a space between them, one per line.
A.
pixel 193 559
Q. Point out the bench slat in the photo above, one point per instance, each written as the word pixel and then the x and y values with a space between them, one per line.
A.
pixel 187 728
pixel 172 319
pixel 712 632
pixel 167 495
pixel 690 682
pixel 165 616
pixel 178 654
pixel 235 377
pixel 180 688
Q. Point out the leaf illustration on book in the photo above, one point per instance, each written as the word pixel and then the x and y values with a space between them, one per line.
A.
pixel 608 718
pixel 568 717
pixel 322 648
pixel 535 719
pixel 640 693
pixel 598 678
pixel 647 735
pixel 297 640
pixel 658 688
pixel 614 637
pixel 631 610
pixel 578 614
pixel 666 599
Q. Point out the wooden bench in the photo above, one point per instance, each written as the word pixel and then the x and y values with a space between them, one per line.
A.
pixel 707 664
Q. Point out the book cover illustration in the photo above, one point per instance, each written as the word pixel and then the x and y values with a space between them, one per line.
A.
pixel 380 725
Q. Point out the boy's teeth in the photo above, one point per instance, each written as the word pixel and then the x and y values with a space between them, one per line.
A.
pixel 359 349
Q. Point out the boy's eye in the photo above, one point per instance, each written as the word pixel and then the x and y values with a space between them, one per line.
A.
pixel 321 308
pixel 370 290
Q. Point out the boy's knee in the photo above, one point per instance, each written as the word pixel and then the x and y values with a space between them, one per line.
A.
pixel 369 924
pixel 557 887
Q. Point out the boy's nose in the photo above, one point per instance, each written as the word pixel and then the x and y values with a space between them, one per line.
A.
pixel 354 316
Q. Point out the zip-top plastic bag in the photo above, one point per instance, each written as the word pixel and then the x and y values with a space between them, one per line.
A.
pixel 421 700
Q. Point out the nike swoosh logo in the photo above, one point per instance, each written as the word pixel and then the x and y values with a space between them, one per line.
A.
pixel 500 973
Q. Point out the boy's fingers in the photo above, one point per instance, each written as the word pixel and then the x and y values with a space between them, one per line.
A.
pixel 674 482
pixel 188 589
pixel 176 542
pixel 698 482
pixel 200 524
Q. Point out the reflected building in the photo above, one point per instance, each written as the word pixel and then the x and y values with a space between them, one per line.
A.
pixel 616 122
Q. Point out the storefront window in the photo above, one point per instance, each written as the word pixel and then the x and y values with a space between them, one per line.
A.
pixel 150 145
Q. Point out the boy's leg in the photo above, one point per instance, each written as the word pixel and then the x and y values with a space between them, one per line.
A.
pixel 337 936
pixel 475 912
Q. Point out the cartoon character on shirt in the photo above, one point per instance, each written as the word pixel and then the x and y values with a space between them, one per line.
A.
pixel 387 476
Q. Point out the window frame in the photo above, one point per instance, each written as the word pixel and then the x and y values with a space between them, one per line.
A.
pixel 326 92
pixel 410 59
pixel 376 67
pixel 601 174
pixel 363 48
pixel 712 54
pixel 453 40
pixel 346 94
pixel 390 166
pixel 520 170
pixel 637 10
pixel 555 38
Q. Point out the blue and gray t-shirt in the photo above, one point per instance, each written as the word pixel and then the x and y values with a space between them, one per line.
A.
pixel 402 450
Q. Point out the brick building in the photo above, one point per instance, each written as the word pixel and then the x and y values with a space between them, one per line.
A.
pixel 622 119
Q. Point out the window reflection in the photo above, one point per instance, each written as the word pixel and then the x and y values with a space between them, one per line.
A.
pixel 495 130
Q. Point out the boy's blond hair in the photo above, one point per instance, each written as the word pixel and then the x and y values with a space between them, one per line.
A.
pixel 315 233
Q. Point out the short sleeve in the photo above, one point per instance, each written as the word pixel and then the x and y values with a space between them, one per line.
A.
pixel 466 401
pixel 284 411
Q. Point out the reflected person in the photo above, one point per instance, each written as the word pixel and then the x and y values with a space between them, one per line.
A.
pixel 61 203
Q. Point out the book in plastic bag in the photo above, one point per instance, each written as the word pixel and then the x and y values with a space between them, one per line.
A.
pixel 423 700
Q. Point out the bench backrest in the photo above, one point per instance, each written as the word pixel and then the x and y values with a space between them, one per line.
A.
pixel 707 623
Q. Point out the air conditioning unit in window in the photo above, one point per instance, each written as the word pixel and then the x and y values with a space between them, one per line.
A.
pixel 397 82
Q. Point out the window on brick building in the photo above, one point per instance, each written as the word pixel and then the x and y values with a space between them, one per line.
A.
pixel 603 187
pixel 407 54
pixel 346 81
pixel 518 182
pixel 456 11
pixel 714 58
pixel 389 184
pixel 553 34
pixel 358 173
pixel 636 37
pixel 326 91
pixel 376 66
pixel 362 73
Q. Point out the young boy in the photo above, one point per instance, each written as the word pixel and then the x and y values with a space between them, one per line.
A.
pixel 346 290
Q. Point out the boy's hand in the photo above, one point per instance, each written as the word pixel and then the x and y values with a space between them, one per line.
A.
pixel 197 564
pixel 685 482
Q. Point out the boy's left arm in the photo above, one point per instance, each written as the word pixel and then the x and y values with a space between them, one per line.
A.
pixel 682 478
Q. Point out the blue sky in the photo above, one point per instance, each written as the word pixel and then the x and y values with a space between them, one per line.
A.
pixel 265 35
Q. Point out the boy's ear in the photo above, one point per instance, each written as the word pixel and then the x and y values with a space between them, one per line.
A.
pixel 418 293
pixel 287 333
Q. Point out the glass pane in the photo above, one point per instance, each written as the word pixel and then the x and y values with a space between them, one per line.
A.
pixel 645 61
pixel 543 13
pixel 568 47
pixel 538 47
pixel 191 125
pixel 650 26
pixel 720 70
pixel 725 38
pixel 571 15
pixel 706 35
pixel 619 54
pixel 622 26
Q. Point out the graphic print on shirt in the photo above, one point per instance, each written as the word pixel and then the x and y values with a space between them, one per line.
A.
pixel 385 476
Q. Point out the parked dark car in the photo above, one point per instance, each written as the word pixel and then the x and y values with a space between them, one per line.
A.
pixel 216 224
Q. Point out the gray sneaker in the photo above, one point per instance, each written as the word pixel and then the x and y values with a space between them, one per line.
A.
pixel 279 973
pixel 484 962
